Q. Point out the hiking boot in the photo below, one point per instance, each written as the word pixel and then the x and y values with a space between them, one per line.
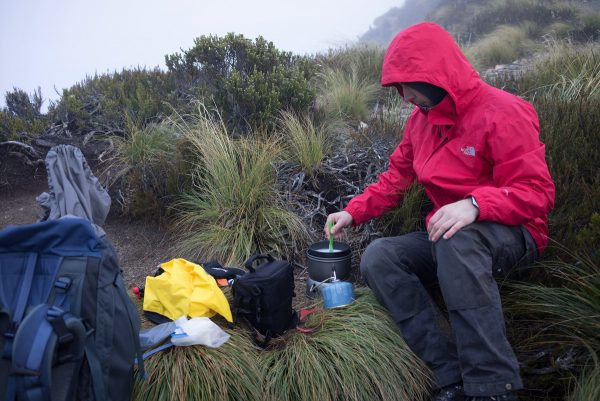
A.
pixel 503 397
pixel 452 392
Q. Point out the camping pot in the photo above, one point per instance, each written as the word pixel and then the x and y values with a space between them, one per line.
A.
pixel 323 264
pixel 338 294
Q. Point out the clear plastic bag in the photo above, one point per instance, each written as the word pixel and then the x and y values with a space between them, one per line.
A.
pixel 198 330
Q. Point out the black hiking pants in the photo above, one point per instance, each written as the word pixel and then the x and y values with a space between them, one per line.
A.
pixel 401 270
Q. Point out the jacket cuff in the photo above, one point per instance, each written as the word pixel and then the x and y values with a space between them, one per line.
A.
pixel 356 221
pixel 481 204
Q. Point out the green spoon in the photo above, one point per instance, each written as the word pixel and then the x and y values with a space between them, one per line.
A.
pixel 330 236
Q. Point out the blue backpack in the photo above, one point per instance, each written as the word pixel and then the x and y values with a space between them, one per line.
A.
pixel 68 330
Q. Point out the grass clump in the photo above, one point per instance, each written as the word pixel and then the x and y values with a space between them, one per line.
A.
pixel 560 321
pixel 195 373
pixel 587 387
pixel 409 215
pixel 357 354
pixel 145 162
pixel 570 311
pixel 503 45
pixel 367 60
pixel 566 73
pixel 346 95
pixel 233 209
pixel 307 143
pixel 514 12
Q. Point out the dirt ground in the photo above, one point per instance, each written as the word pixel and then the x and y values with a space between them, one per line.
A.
pixel 141 245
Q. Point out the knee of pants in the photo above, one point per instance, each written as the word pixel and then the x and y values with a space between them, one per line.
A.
pixel 371 259
pixel 464 270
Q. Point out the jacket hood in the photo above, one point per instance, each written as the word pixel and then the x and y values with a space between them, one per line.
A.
pixel 426 52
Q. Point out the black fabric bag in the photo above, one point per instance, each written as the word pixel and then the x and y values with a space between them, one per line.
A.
pixel 263 296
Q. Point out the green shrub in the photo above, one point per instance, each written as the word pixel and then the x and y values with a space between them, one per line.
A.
pixel 357 354
pixel 234 208
pixel 104 102
pixel 248 82
pixel 22 114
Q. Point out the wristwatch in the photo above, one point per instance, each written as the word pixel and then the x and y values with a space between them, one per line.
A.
pixel 474 202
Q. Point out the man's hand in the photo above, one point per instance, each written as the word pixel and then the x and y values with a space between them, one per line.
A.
pixel 450 218
pixel 339 220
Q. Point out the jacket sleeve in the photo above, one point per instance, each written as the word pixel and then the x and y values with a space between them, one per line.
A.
pixel 390 187
pixel 523 189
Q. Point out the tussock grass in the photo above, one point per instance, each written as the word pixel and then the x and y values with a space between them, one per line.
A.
pixel 307 143
pixel 408 215
pixel 514 12
pixel 566 73
pixel 147 164
pixel 346 95
pixel 143 148
pixel 558 30
pixel 504 45
pixel 587 387
pixel 389 117
pixel 234 208
pixel 358 354
pixel 569 311
pixel 367 60
pixel 196 373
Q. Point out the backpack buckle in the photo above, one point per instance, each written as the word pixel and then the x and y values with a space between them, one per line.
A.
pixel 63 283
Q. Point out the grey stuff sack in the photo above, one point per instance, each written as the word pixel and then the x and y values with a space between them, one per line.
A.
pixel 68 330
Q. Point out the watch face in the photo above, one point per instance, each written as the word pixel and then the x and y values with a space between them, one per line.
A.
pixel 474 202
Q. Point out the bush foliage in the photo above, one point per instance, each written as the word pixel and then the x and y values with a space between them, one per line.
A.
pixel 22 114
pixel 103 103
pixel 249 82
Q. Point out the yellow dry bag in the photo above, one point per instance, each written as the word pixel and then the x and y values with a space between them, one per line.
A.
pixel 185 289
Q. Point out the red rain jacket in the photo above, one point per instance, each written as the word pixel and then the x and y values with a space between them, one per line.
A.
pixel 478 141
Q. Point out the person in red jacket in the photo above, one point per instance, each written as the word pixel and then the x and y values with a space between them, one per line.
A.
pixel 476 151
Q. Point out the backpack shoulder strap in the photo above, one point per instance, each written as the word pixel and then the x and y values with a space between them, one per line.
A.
pixel 45 333
pixel 25 288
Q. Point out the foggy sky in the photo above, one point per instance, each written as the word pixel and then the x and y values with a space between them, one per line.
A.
pixel 55 44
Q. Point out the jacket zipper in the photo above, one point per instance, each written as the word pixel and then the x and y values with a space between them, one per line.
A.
pixel 438 147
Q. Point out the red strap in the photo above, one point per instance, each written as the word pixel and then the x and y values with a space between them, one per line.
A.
pixel 303 314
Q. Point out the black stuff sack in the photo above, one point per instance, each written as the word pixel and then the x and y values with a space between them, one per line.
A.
pixel 263 296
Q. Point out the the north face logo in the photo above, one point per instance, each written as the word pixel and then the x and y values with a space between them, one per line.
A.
pixel 468 150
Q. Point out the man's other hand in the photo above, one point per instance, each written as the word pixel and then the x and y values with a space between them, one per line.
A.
pixel 340 220
pixel 450 218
